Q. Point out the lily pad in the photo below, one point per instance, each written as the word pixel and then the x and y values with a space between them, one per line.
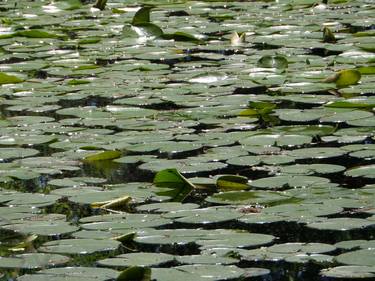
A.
pixel 80 246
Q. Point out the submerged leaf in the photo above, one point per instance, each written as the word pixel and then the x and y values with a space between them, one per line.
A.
pixel 278 62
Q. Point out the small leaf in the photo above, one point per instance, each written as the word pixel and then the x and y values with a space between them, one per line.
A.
pixel 36 33
pixel 328 36
pixel 278 62
pixel 232 182
pixel 9 79
pixel 105 155
pixel 135 273
pixel 171 178
pixel 142 15
pixel 238 39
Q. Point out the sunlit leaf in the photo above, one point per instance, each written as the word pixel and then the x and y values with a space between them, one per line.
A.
pixel 344 78
pixel 9 79
pixel 232 182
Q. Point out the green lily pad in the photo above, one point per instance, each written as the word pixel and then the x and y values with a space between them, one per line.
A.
pixel 349 272
pixel 79 273
pixel 364 257
pixel 341 224
pixel 80 246
pixel 9 79
pixel 247 197
pixel 363 171
pixel 137 259
pixel 289 181
pixel 33 261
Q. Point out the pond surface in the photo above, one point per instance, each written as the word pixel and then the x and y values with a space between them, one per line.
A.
pixel 187 140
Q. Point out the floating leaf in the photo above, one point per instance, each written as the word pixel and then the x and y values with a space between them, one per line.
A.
pixel 232 182
pixel 36 33
pixel 344 78
pixel 9 79
pixel 102 156
pixel 135 273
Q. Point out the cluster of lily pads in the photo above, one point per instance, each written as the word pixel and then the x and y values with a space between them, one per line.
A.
pixel 187 140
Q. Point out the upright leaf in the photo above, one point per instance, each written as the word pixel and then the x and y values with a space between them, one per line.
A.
pixel 179 186
pixel 328 36
pixel 238 39
pixel 135 273
pixel 142 15
pixel 100 4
